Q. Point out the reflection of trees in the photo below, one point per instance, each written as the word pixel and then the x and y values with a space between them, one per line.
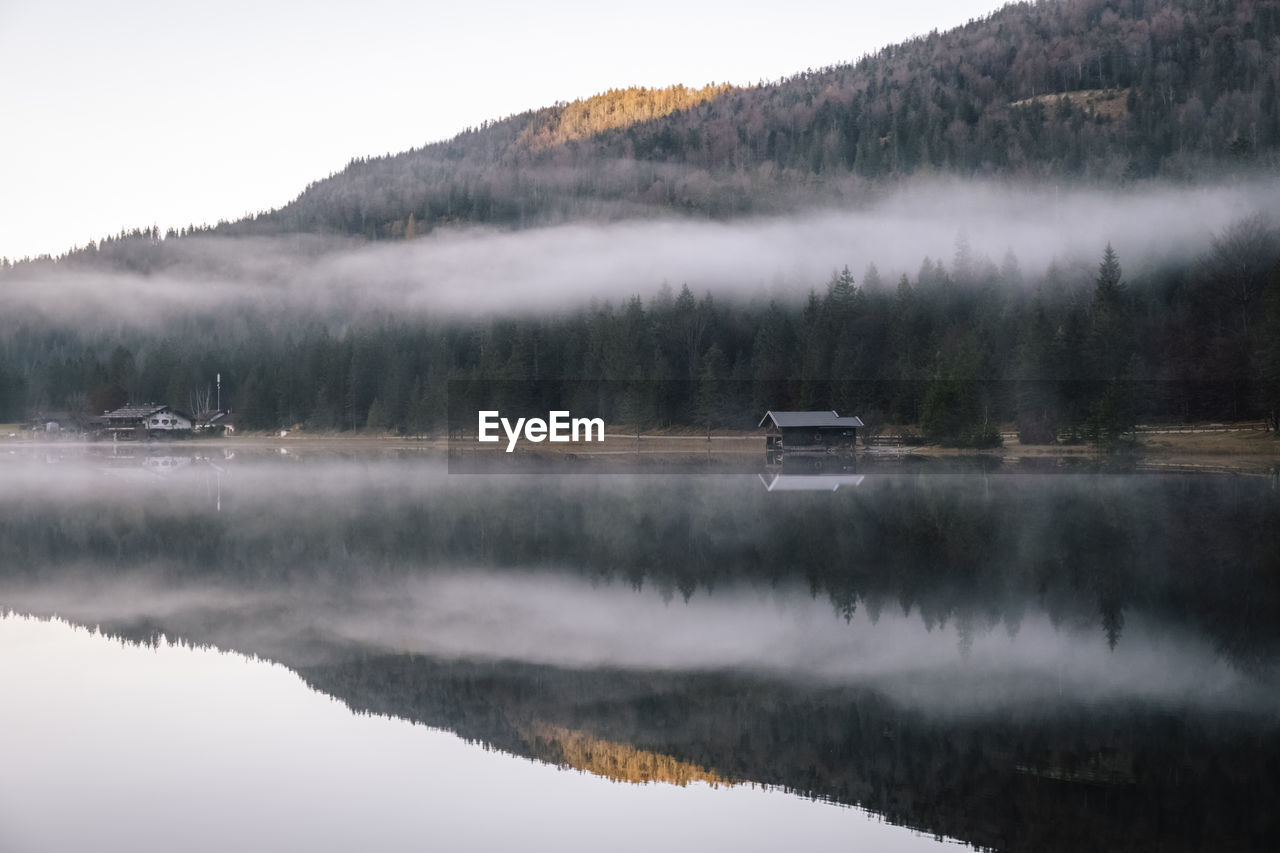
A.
pixel 1049 775
pixel 1199 551
pixel 617 761
pixel 1062 778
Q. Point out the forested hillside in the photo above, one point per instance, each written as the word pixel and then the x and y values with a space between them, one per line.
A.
pixel 958 348
pixel 1103 92
pixel 1100 90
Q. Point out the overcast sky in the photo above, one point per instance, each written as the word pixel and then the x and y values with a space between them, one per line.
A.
pixel 127 114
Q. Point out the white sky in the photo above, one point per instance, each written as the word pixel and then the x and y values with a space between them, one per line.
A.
pixel 126 114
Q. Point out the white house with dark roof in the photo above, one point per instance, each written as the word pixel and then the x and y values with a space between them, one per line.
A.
pixel 145 417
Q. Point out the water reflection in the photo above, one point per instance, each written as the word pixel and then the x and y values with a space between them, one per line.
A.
pixel 970 663
pixel 1017 658
pixel 1199 552
pixel 168 747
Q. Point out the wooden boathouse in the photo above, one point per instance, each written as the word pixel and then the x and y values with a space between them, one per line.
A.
pixel 809 432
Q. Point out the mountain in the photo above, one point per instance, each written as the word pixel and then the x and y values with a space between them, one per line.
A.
pixel 1101 90
pixel 331 333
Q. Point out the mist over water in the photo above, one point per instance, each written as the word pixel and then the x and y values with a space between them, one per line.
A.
pixel 994 647
pixel 299 559
pixel 477 271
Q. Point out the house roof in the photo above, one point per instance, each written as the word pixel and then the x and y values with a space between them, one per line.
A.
pixel 810 419
pixel 137 410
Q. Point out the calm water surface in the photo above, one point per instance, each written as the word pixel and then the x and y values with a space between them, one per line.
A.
pixel 214 649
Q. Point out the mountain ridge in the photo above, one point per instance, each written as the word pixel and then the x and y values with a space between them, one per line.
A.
pixel 1196 85
pixel 1192 96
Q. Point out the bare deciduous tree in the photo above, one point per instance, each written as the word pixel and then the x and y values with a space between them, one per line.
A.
pixel 1240 263
pixel 200 401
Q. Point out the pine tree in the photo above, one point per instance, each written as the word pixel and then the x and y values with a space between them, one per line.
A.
pixel 1110 342
pixel 871 282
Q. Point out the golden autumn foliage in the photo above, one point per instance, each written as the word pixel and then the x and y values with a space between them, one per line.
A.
pixel 613 109
pixel 617 761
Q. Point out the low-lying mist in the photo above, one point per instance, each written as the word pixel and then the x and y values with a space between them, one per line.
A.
pixel 478 271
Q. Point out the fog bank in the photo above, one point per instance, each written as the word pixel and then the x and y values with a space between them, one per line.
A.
pixel 478 271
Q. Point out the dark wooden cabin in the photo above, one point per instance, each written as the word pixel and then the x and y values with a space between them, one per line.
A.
pixel 810 432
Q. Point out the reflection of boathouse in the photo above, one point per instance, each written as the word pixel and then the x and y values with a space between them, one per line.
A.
pixel 809 472
pixel 809 432
pixel 809 482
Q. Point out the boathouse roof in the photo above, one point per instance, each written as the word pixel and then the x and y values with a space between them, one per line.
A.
pixel 809 419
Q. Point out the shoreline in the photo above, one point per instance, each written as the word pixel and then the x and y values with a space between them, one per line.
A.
pixel 1222 449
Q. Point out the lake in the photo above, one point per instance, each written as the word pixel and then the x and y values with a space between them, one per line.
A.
pixel 295 647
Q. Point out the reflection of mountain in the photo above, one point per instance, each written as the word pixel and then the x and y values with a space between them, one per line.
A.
pixel 1063 769
pixel 1066 777
pixel 383 583
pixel 617 761
pixel 1056 773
